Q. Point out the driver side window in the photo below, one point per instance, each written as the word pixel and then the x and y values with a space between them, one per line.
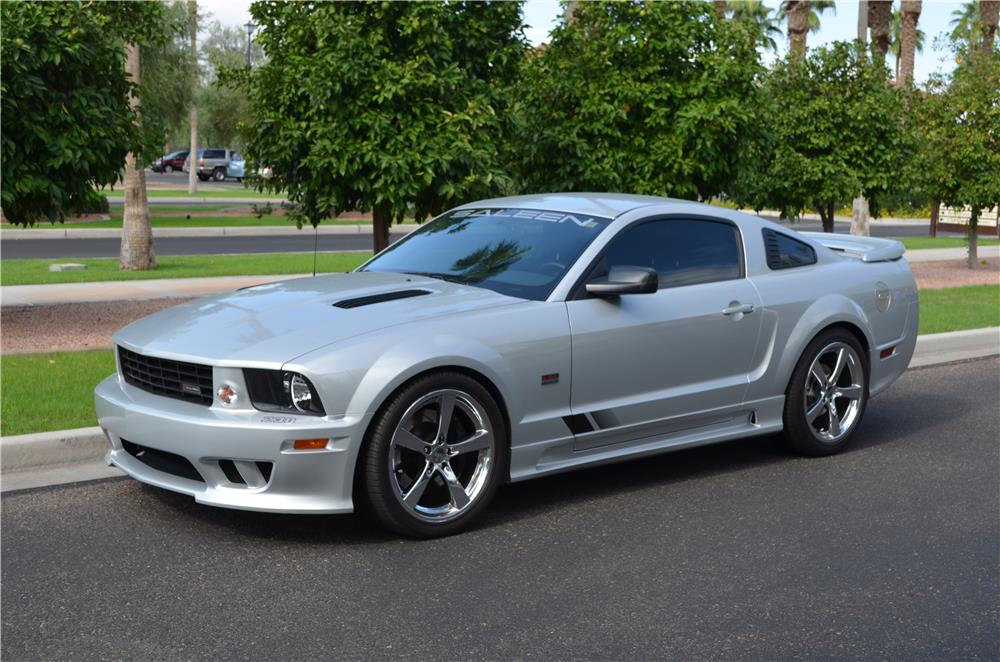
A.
pixel 681 251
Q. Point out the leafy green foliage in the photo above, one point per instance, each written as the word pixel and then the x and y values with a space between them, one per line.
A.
pixel 832 128
pixel 67 124
pixel 959 157
pixel 640 98
pixel 383 106
pixel 165 88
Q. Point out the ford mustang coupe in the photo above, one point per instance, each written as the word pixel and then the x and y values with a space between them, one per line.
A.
pixel 508 339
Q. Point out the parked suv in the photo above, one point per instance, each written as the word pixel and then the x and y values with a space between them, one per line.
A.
pixel 217 163
pixel 169 162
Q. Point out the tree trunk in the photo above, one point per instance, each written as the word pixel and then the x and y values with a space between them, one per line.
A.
pixel 989 14
pixel 569 10
pixel 907 42
pixel 863 21
pixel 720 7
pixel 859 217
pixel 880 22
pixel 381 222
pixel 137 237
pixel 798 27
pixel 193 154
pixel 935 213
pixel 973 234
pixel 826 215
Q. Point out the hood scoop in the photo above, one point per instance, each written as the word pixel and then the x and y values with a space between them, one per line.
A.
pixel 379 298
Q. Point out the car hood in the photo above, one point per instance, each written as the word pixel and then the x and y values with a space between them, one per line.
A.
pixel 272 324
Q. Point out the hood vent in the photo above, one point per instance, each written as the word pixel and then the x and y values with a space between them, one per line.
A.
pixel 379 298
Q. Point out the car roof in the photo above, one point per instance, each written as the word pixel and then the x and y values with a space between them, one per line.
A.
pixel 608 205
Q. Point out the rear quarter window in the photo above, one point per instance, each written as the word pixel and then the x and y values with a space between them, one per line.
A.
pixel 784 252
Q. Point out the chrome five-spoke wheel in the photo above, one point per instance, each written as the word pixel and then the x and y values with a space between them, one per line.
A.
pixel 436 455
pixel 834 388
pixel 441 454
pixel 827 394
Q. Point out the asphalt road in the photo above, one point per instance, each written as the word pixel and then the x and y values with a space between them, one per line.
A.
pixel 739 551
pixel 60 248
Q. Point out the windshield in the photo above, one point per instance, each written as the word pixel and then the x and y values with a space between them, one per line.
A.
pixel 518 252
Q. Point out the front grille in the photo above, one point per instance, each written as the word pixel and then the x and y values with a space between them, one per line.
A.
pixel 168 463
pixel 174 379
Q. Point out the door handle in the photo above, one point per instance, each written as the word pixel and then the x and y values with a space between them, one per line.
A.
pixel 736 308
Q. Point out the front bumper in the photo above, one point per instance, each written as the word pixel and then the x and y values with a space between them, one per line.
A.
pixel 313 481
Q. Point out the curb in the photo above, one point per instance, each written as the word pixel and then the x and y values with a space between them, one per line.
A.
pixel 243 231
pixel 32 460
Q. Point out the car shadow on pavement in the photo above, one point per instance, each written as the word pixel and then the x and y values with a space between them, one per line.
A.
pixel 539 497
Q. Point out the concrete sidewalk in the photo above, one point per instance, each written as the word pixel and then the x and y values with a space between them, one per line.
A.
pixel 941 254
pixel 132 290
pixel 69 456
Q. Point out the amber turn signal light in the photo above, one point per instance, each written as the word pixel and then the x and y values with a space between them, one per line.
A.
pixel 309 444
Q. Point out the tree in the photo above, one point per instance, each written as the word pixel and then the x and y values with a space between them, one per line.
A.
pixel 803 17
pixel 193 99
pixel 959 157
pixel 907 39
pixel 397 108
pixel 965 24
pixel 137 251
pixel 224 107
pixel 989 14
pixel 759 14
pixel 638 97
pixel 165 90
pixel 880 24
pixel 67 122
pixel 832 127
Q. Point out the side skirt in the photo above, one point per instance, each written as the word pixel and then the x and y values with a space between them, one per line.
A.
pixel 559 455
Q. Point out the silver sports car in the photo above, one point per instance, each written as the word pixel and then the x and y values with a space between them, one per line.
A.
pixel 508 339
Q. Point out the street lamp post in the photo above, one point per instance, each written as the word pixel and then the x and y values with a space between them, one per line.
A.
pixel 249 25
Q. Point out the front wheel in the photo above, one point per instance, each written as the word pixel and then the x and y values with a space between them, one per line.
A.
pixel 827 394
pixel 435 456
pixel 168 168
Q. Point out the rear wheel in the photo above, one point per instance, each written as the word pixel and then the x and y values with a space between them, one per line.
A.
pixel 219 174
pixel 435 456
pixel 202 177
pixel 168 168
pixel 827 394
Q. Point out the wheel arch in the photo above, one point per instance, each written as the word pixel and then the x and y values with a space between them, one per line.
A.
pixel 480 377
pixel 846 325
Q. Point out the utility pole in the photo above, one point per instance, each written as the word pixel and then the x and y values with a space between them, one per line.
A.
pixel 249 25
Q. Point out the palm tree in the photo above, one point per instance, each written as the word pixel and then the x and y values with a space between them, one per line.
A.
pixel 137 237
pixel 989 13
pixel 803 18
pixel 965 25
pixel 756 12
pixel 880 24
pixel 907 39
pixel 193 153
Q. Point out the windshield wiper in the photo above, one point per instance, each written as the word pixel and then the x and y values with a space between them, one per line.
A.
pixel 451 278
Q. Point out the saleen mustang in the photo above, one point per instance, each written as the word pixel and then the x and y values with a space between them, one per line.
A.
pixel 508 339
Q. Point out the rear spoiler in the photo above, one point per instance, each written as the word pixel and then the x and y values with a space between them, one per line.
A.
pixel 865 249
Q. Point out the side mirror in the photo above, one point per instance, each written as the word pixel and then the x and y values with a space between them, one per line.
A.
pixel 625 280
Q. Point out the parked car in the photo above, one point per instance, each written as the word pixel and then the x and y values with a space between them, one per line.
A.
pixel 218 164
pixel 169 162
pixel 504 340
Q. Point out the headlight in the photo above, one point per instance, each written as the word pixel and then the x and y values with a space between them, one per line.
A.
pixel 283 391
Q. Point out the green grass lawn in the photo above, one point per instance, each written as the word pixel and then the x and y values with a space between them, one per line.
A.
pixel 958 308
pixel 32 272
pixel 917 243
pixel 55 391
pixel 209 193
pixel 51 391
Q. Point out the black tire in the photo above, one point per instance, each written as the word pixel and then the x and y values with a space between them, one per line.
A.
pixel 219 174
pixel 202 177
pixel 378 490
pixel 168 168
pixel 807 437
